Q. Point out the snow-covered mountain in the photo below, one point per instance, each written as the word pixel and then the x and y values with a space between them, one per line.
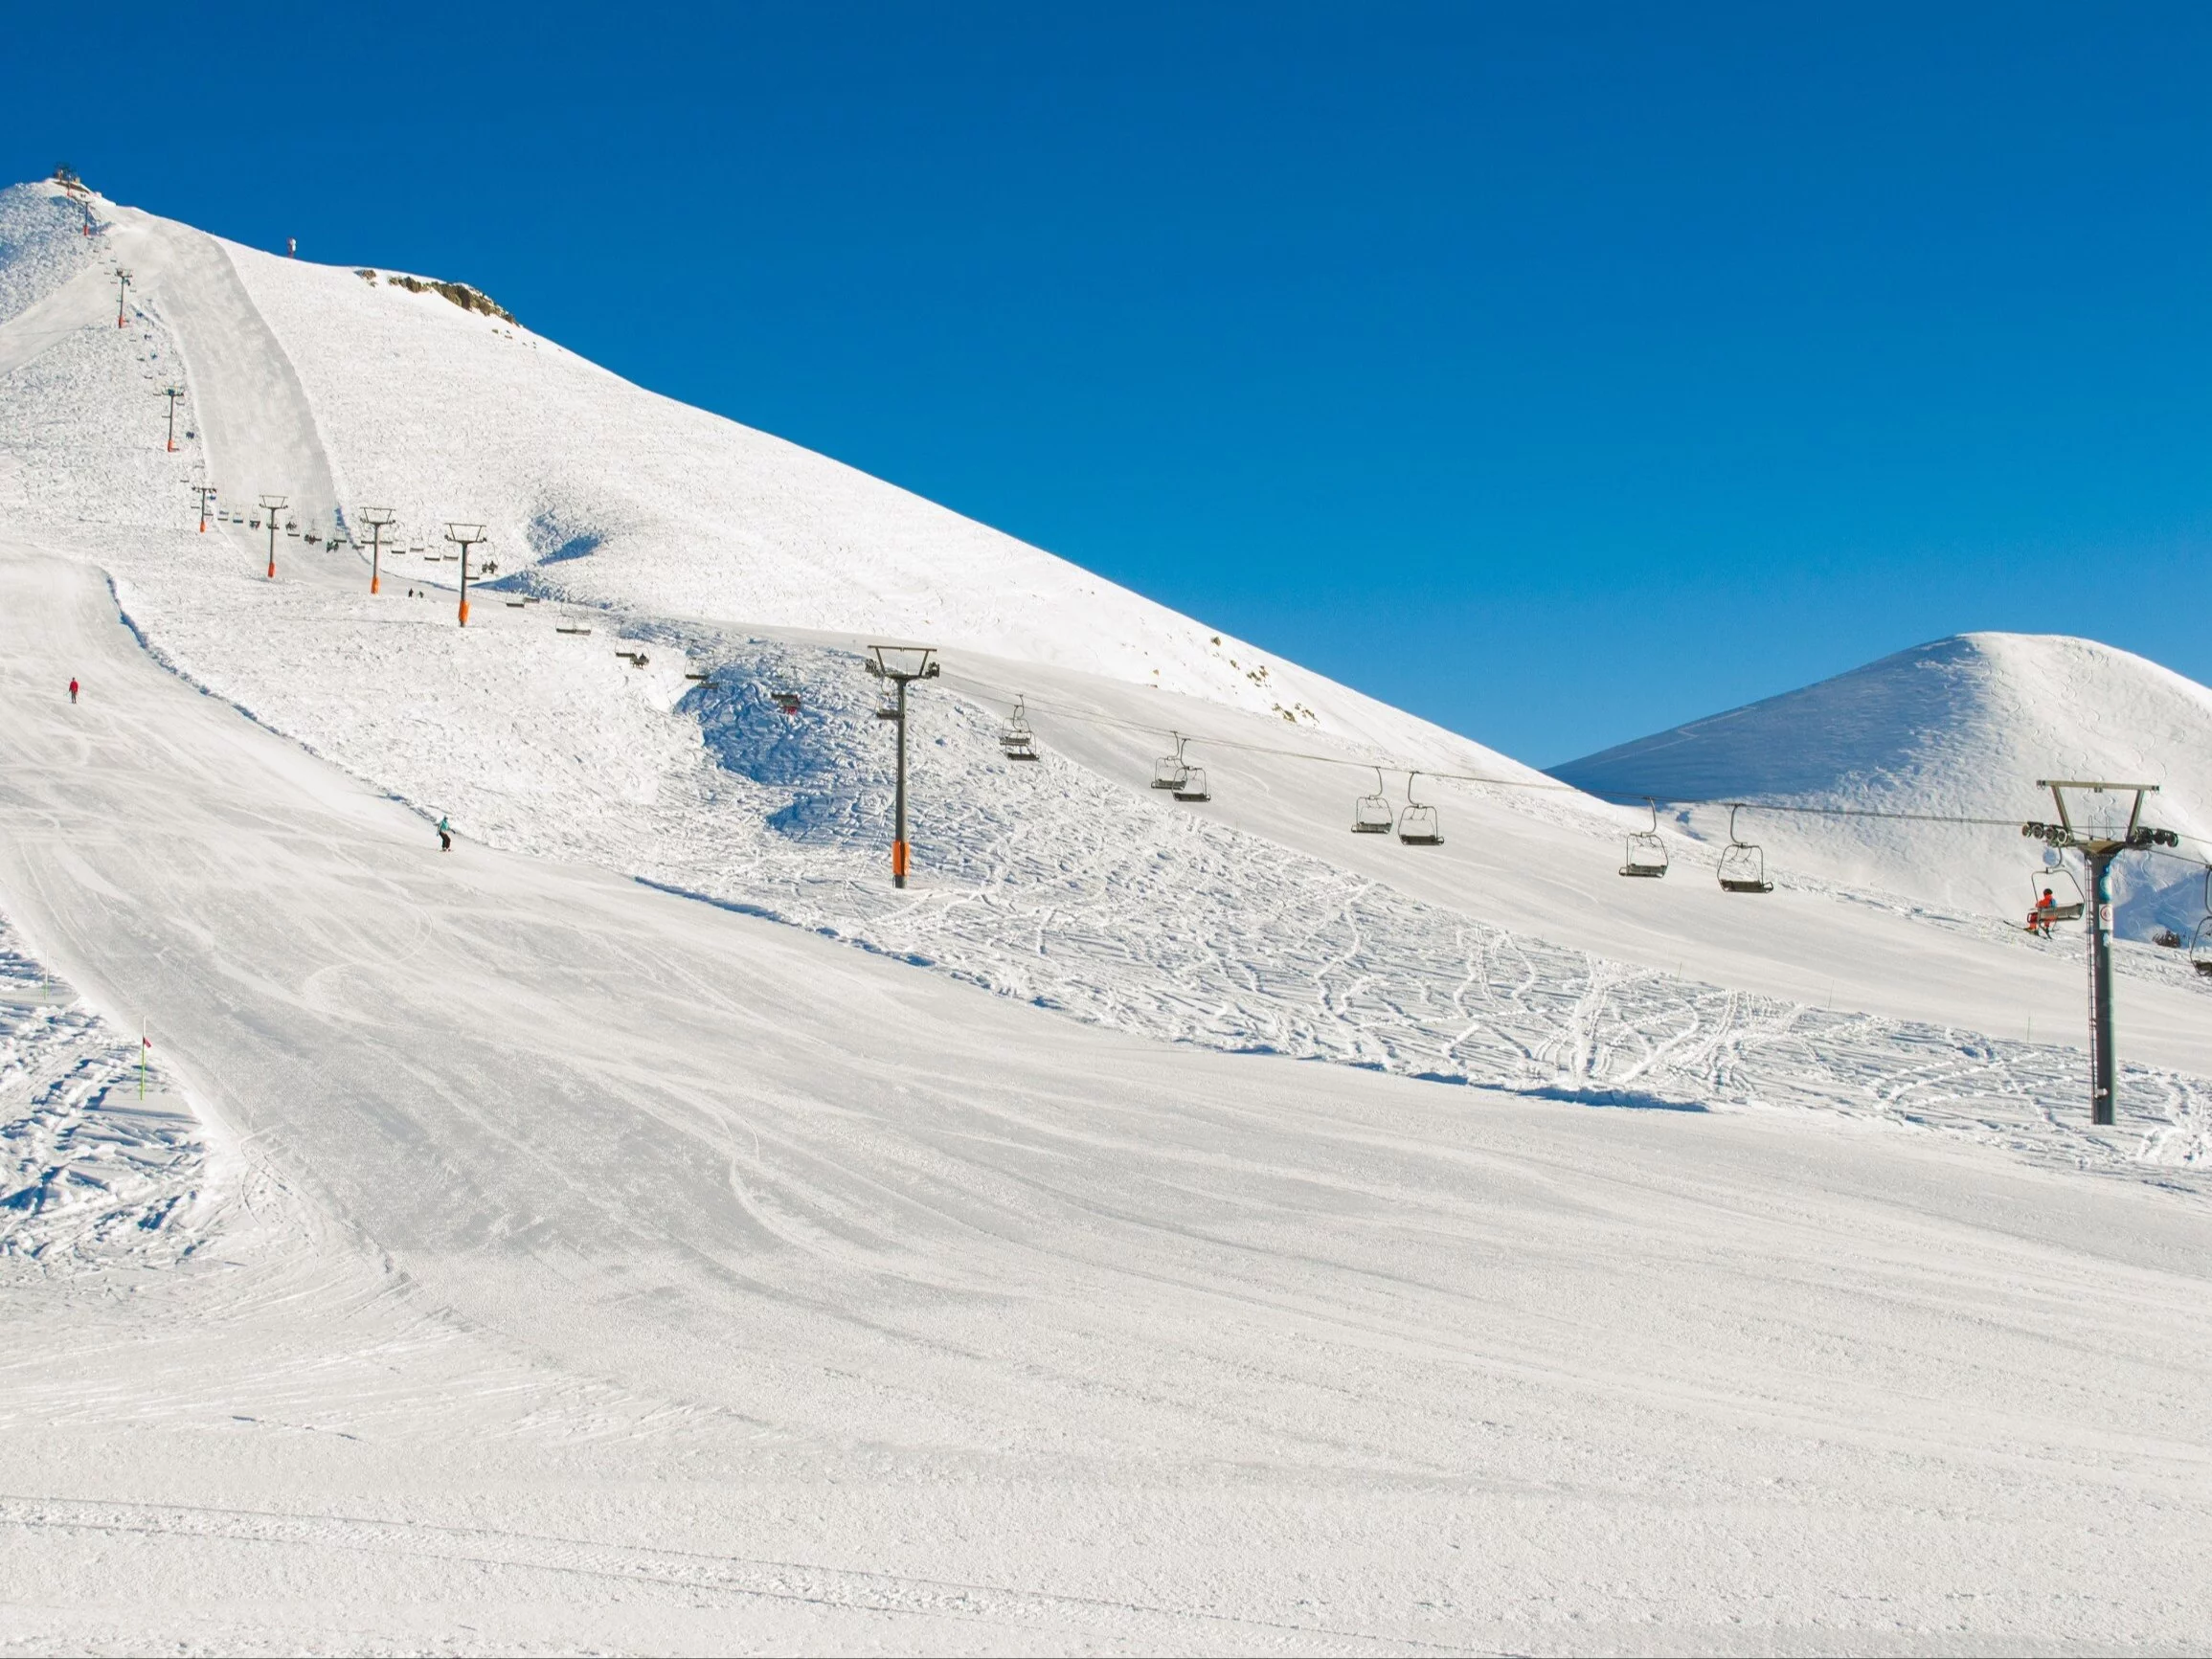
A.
pixel 338 387
pixel 1959 727
pixel 573 1241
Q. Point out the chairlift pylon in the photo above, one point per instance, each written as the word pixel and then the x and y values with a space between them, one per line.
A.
pixel 1418 825
pixel 1372 813
pixel 1743 868
pixel 1646 854
pixel 1171 771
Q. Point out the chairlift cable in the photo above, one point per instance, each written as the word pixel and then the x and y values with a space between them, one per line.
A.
pixel 1091 717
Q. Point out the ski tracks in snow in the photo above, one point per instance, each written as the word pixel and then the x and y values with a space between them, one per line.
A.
pixel 1054 884
pixel 90 1171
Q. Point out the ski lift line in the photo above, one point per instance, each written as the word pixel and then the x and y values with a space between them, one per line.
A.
pixel 1090 717
pixel 1093 718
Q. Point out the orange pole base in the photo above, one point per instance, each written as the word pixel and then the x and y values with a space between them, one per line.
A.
pixel 898 858
pixel 272 570
pixel 371 584
pixel 464 613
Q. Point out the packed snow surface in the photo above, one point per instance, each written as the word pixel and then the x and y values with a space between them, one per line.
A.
pixel 645 1229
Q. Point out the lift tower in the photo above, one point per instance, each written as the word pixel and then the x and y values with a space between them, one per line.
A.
pixel 271 506
pixel 2099 844
pixel 464 537
pixel 901 664
pixel 378 520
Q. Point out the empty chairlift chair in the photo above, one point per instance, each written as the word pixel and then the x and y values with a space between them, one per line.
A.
pixel 1017 741
pixel 1743 864
pixel 2200 948
pixel 1171 770
pixel 1371 814
pixel 1418 825
pixel 1646 854
pixel 1193 785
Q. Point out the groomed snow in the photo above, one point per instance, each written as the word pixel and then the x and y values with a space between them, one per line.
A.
pixel 584 1244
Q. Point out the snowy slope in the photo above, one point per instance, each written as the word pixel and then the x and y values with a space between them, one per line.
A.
pixel 638 1276
pixel 580 1243
pixel 336 389
pixel 1961 727
pixel 1512 954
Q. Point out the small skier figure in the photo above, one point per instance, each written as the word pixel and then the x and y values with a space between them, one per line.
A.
pixel 72 688
pixel 444 836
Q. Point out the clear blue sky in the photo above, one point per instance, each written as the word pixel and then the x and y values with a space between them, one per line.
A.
pixel 1561 373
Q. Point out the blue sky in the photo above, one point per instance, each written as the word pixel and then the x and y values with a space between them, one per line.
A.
pixel 1561 373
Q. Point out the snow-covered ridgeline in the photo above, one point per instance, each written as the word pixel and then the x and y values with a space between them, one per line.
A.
pixel 336 387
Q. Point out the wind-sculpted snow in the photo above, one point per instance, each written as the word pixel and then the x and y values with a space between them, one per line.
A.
pixel 91 1171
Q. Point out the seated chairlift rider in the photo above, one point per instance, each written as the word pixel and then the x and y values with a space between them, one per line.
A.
pixel 2045 912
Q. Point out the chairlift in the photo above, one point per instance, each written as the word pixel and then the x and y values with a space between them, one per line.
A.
pixel 2047 905
pixel 1193 785
pixel 2200 948
pixel 1372 813
pixel 1171 770
pixel 1646 853
pixel 2200 942
pixel 1418 825
pixel 1743 864
pixel 1017 741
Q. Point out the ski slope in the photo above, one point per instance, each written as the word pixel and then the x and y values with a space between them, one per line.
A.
pixel 643 1229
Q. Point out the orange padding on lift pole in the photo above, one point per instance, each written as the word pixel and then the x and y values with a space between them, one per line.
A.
pixel 898 858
